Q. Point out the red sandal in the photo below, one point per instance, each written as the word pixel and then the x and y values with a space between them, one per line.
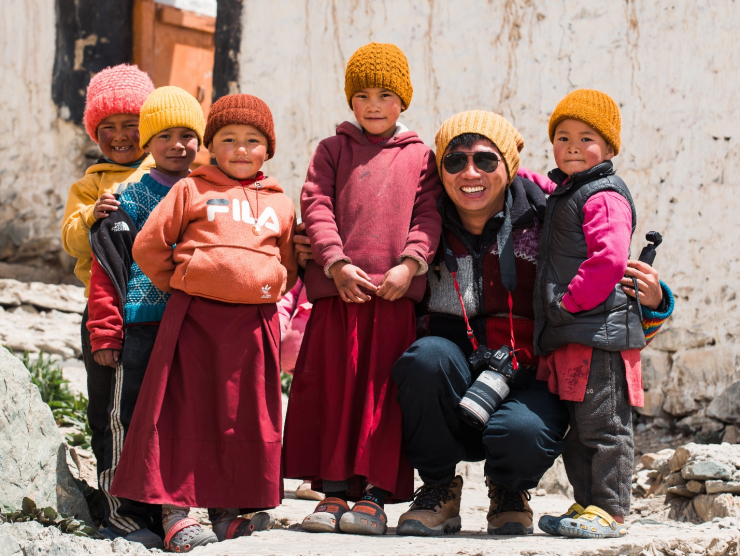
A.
pixel 185 535
pixel 366 518
pixel 325 518
pixel 239 527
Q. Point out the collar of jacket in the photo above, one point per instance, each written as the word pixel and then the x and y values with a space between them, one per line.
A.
pixel 218 178
pixel 601 170
pixel 402 135
pixel 528 204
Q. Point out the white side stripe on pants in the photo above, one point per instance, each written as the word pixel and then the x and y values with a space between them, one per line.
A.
pixel 106 477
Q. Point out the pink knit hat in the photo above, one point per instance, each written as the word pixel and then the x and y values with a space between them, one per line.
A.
pixel 121 89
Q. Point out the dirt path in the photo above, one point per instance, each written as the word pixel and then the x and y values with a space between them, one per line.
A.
pixel 473 540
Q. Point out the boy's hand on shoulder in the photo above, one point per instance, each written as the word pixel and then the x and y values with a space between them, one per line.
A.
pixel 301 245
pixel 349 279
pixel 398 279
pixel 107 357
pixel 105 204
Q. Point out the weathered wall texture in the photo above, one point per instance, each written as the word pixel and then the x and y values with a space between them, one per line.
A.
pixel 672 67
pixel 42 155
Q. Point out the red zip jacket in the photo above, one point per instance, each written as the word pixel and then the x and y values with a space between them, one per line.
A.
pixel 371 205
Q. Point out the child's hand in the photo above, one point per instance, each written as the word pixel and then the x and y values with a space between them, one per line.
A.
pixel 107 203
pixel 651 292
pixel 107 357
pixel 397 280
pixel 348 279
pixel 301 245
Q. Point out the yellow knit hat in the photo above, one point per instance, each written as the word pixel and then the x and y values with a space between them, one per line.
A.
pixel 594 108
pixel 379 65
pixel 170 107
pixel 492 126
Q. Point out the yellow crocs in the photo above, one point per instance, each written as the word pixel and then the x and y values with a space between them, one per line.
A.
pixel 593 523
pixel 549 523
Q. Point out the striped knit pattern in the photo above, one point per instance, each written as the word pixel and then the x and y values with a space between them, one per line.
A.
pixel 653 320
pixel 144 301
pixel 443 296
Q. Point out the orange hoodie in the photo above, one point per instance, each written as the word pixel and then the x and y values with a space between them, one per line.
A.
pixel 210 219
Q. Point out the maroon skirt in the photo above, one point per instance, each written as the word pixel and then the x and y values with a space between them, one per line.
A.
pixel 343 420
pixel 206 428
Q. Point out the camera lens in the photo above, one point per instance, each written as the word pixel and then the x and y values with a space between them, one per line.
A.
pixel 483 398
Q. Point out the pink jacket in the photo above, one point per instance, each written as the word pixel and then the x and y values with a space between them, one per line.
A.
pixel 371 205
pixel 607 226
pixel 294 310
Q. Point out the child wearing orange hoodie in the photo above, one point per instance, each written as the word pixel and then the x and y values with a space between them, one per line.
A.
pixel 207 425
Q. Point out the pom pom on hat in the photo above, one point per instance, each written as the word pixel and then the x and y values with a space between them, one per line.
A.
pixel 378 65
pixel 170 107
pixel 119 89
pixel 492 126
pixel 241 109
pixel 594 108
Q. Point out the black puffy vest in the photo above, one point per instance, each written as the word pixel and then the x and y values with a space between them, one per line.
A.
pixel 613 325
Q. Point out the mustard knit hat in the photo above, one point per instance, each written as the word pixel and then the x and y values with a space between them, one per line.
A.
pixel 170 107
pixel 594 108
pixel 492 126
pixel 379 65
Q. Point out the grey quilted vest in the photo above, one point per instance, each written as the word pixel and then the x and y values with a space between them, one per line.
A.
pixel 613 325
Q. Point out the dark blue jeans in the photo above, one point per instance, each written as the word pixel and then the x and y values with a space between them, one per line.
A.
pixel 519 443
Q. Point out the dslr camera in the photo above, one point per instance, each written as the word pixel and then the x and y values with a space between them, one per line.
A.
pixel 491 387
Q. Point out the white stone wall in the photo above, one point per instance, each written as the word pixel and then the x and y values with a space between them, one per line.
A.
pixel 671 66
pixel 40 154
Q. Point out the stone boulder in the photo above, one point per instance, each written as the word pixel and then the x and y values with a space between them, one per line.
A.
pixel 555 480
pixel 33 457
pixel 36 316
pixel 728 454
pixel 700 375
pixel 726 406
pixel 66 298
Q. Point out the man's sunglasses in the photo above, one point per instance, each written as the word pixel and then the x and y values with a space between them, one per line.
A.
pixel 457 161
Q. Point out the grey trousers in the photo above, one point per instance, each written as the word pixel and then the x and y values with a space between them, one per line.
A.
pixel 599 448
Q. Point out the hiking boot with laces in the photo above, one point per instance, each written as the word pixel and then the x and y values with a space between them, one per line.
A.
pixel 435 511
pixel 509 512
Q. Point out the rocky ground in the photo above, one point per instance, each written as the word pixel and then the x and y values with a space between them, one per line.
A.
pixel 666 506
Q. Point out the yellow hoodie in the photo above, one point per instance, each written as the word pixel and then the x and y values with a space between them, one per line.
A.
pixel 78 215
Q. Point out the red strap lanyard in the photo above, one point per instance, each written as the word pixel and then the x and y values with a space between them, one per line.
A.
pixel 472 337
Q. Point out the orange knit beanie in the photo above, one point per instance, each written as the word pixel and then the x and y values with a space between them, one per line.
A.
pixel 241 109
pixel 379 65
pixel 594 108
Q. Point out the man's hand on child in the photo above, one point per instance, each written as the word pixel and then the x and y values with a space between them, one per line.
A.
pixel 107 203
pixel 301 245
pixel 651 293
pixel 398 279
pixel 107 357
pixel 349 279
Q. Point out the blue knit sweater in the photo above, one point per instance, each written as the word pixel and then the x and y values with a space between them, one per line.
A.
pixel 144 301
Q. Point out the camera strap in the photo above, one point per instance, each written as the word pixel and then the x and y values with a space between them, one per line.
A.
pixel 507 265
